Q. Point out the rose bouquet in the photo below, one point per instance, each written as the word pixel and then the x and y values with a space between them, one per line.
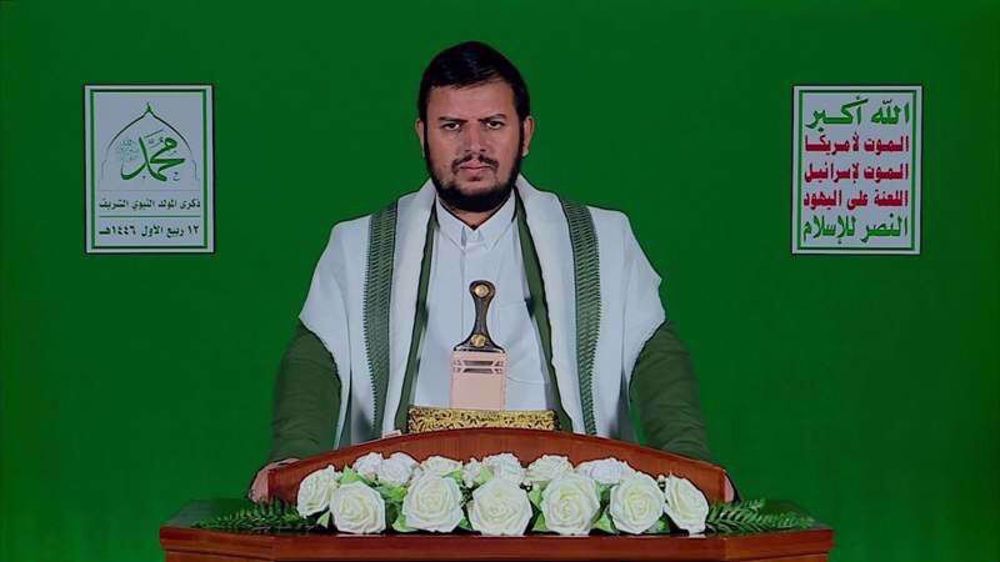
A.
pixel 499 496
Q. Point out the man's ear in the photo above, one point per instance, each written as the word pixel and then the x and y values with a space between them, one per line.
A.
pixel 418 126
pixel 529 131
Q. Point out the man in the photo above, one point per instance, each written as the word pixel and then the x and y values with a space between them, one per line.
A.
pixel 577 306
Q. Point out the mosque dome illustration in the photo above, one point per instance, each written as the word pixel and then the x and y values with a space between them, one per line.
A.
pixel 148 153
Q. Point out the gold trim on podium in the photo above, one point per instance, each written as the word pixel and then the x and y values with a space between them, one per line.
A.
pixel 420 419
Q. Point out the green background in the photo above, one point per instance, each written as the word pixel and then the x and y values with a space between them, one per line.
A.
pixel 864 388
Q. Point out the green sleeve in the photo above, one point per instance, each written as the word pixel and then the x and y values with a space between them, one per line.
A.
pixel 663 397
pixel 306 399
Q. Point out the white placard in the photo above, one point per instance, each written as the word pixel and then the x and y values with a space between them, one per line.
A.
pixel 856 169
pixel 149 169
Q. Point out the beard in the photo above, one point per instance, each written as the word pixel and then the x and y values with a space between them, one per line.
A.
pixel 484 201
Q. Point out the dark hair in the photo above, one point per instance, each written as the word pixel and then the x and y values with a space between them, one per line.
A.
pixel 469 64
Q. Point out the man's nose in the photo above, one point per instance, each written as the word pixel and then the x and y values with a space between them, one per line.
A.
pixel 475 140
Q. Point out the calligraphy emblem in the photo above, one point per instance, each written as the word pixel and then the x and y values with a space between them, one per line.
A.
pixel 149 153
pixel 856 169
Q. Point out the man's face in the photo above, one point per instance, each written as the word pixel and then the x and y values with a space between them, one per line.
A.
pixel 473 144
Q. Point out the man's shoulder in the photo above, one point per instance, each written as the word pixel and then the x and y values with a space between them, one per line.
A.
pixel 350 231
pixel 610 216
pixel 603 217
pixel 612 226
pixel 357 228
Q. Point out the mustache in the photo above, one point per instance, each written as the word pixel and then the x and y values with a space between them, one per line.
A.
pixel 470 157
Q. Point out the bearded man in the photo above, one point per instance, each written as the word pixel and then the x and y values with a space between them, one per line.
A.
pixel 577 305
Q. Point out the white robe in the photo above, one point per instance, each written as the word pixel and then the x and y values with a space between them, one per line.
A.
pixel 630 308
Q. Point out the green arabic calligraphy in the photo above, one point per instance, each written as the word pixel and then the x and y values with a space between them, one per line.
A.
pixel 160 163
pixel 846 118
pixel 891 115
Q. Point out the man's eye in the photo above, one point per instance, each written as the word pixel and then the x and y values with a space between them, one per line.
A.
pixel 494 124
pixel 450 126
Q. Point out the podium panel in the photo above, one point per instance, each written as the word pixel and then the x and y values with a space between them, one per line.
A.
pixel 183 543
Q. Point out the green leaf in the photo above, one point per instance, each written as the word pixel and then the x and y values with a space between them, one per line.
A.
pixel 465 524
pixel 485 475
pixel 661 527
pixel 399 525
pixel 539 526
pixel 350 476
pixel 604 492
pixel 392 494
pixel 392 511
pixel 535 496
pixel 259 518
pixel 324 520
pixel 604 523
pixel 748 517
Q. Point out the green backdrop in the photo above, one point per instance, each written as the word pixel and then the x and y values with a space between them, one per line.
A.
pixel 863 387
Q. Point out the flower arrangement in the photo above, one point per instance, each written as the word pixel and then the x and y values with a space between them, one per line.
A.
pixel 499 496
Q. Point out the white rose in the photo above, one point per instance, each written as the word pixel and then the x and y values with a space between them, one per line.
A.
pixel 570 504
pixel 404 458
pixel 471 472
pixel 316 490
pixel 433 503
pixel 439 466
pixel 605 471
pixel 500 507
pixel 358 509
pixel 548 467
pixel 367 465
pixel 636 503
pixel 395 471
pixel 506 466
pixel 685 504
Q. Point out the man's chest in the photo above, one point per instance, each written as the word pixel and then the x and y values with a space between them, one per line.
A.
pixel 451 315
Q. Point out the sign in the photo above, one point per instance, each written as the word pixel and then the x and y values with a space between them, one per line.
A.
pixel 149 169
pixel 856 169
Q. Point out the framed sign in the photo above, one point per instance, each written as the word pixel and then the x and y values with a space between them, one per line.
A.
pixel 149 153
pixel 856 169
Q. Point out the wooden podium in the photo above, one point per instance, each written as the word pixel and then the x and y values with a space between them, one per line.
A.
pixel 183 543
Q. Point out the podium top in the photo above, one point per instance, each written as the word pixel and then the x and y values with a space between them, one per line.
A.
pixel 526 444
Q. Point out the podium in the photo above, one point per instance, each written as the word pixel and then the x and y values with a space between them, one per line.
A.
pixel 182 542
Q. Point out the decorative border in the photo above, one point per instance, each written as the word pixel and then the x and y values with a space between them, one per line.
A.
pixel 377 296
pixel 915 164
pixel 587 279
pixel 207 91
pixel 420 419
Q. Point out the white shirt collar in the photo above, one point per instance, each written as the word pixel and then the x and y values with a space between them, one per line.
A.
pixel 488 233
